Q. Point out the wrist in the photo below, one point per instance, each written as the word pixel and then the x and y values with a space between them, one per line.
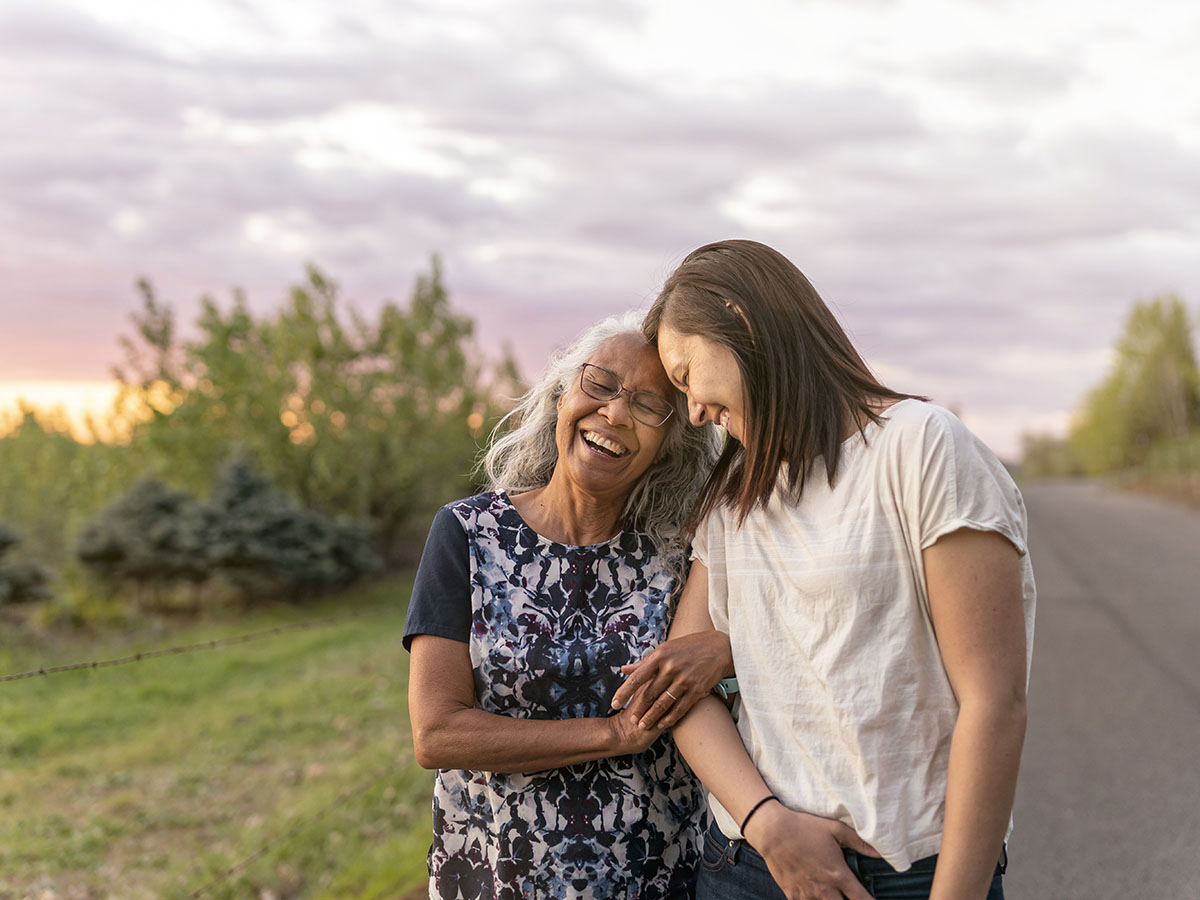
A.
pixel 760 823
pixel 616 733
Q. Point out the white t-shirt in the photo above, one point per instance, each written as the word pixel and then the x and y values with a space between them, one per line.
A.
pixel 846 708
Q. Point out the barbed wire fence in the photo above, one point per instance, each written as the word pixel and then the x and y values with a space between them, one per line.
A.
pixel 298 825
pixel 192 648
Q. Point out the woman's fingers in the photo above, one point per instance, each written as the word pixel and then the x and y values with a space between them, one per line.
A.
pixel 848 837
pixel 637 674
pixel 672 700
pixel 803 854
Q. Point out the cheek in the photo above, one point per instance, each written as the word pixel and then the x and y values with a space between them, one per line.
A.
pixel 659 445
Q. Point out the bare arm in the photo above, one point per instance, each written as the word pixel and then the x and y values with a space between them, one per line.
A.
pixel 802 851
pixel 450 732
pixel 975 598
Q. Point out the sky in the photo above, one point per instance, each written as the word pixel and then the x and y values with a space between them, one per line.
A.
pixel 980 190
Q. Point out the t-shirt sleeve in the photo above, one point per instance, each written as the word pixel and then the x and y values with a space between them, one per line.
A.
pixel 708 549
pixel 964 485
pixel 441 596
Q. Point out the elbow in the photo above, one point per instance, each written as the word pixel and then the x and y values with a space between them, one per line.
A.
pixel 426 759
pixel 1001 713
pixel 428 746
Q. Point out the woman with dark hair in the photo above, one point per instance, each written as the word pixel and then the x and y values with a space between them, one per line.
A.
pixel 528 601
pixel 866 555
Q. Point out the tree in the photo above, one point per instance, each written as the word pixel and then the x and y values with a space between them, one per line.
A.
pixel 373 420
pixel 1152 393
pixel 51 483
pixel 1047 456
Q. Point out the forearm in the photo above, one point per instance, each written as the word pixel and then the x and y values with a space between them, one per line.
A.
pixel 709 741
pixel 483 741
pixel 985 754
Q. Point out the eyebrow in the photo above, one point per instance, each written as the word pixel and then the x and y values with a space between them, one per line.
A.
pixel 634 389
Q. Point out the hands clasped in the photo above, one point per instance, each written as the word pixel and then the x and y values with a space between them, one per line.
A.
pixel 666 683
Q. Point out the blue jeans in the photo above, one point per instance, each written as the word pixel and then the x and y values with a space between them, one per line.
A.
pixel 733 870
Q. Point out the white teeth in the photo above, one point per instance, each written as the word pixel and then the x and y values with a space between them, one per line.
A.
pixel 723 420
pixel 601 441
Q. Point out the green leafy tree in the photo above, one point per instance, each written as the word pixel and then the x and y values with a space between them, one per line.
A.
pixel 51 483
pixel 1152 393
pixel 1047 456
pixel 376 420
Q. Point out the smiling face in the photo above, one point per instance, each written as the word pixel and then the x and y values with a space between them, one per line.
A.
pixel 708 374
pixel 602 449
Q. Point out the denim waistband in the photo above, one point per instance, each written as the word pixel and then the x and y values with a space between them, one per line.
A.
pixel 870 865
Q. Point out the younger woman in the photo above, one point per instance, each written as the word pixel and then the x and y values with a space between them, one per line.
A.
pixel 866 555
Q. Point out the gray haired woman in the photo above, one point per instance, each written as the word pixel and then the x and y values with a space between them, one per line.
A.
pixel 528 602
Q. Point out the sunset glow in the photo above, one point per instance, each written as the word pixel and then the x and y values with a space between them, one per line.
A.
pixel 83 406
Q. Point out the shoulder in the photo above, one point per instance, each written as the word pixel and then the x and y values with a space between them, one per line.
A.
pixel 469 510
pixel 914 415
pixel 921 423
pixel 478 503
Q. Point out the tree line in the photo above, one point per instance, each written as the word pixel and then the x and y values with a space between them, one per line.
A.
pixel 1144 417
pixel 265 455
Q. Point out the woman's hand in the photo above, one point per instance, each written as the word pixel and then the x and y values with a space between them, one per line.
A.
pixel 628 736
pixel 804 853
pixel 666 683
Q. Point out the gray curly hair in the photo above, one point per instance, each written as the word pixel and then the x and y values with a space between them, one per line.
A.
pixel 522 453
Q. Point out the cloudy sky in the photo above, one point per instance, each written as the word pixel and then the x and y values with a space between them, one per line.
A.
pixel 979 189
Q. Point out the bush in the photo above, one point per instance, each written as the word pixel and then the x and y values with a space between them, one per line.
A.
pixel 263 542
pixel 20 581
pixel 250 535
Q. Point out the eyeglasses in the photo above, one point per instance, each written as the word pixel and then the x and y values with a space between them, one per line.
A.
pixel 646 407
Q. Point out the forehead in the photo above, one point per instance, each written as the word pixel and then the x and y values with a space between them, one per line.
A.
pixel 681 349
pixel 635 362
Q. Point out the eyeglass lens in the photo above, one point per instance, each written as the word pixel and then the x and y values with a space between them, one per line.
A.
pixel 646 407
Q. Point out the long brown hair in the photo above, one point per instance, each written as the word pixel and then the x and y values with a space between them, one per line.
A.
pixel 805 385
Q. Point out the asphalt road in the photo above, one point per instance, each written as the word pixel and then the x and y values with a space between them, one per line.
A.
pixel 1108 804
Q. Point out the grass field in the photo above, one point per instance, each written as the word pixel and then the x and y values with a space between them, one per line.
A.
pixel 154 779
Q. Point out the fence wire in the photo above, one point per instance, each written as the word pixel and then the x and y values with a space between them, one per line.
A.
pixel 192 648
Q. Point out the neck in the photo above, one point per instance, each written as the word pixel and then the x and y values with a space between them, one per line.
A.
pixel 568 515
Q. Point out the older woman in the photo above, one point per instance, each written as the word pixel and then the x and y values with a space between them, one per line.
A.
pixel 528 601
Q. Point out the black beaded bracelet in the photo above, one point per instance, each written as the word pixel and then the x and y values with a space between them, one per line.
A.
pixel 753 810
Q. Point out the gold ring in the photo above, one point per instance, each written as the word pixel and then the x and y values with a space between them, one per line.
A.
pixel 669 694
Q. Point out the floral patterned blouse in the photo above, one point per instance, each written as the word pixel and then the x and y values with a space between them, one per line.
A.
pixel 548 627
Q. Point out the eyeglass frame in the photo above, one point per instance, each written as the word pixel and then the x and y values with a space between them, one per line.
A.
pixel 621 389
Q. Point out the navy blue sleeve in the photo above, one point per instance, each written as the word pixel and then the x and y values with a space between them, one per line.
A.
pixel 441 597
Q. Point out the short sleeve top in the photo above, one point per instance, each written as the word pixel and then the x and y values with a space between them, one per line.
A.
pixel 846 707
pixel 548 626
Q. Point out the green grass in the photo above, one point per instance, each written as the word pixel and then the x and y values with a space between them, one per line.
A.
pixel 152 779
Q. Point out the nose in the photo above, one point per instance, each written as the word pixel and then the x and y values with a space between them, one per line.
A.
pixel 696 412
pixel 616 411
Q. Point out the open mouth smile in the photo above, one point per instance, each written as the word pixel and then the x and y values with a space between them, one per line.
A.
pixel 603 445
